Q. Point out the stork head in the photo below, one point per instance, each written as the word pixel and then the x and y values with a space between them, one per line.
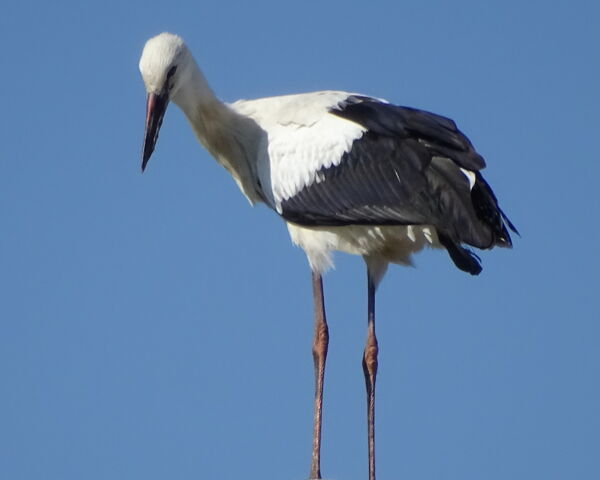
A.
pixel 165 65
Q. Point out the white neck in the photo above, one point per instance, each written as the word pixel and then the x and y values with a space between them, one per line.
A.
pixel 230 138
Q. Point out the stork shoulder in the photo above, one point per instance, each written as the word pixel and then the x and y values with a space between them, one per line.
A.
pixel 298 110
pixel 303 137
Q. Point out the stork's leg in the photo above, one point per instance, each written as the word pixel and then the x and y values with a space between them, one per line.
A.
pixel 370 370
pixel 319 349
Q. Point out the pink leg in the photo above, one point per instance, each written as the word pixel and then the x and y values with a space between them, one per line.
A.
pixel 370 370
pixel 319 349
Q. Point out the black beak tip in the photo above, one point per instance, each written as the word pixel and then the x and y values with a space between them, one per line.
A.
pixel 145 162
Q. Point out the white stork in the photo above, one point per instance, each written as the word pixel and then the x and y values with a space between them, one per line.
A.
pixel 346 172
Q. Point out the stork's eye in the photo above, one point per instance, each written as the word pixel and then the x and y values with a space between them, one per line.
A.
pixel 170 82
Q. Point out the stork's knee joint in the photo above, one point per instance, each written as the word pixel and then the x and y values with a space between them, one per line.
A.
pixel 370 356
pixel 321 340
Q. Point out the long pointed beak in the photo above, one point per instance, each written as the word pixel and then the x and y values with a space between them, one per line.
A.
pixel 156 106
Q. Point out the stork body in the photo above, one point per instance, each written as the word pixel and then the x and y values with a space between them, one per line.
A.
pixel 347 172
pixel 308 171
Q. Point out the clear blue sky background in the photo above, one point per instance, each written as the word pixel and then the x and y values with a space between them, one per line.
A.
pixel 155 326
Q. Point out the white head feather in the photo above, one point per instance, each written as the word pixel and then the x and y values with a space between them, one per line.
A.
pixel 163 54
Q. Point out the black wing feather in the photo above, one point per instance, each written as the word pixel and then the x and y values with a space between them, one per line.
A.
pixel 405 170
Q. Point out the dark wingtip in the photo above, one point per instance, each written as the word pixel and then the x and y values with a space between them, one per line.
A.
pixel 508 222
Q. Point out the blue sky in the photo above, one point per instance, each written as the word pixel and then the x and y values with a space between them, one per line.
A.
pixel 155 326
